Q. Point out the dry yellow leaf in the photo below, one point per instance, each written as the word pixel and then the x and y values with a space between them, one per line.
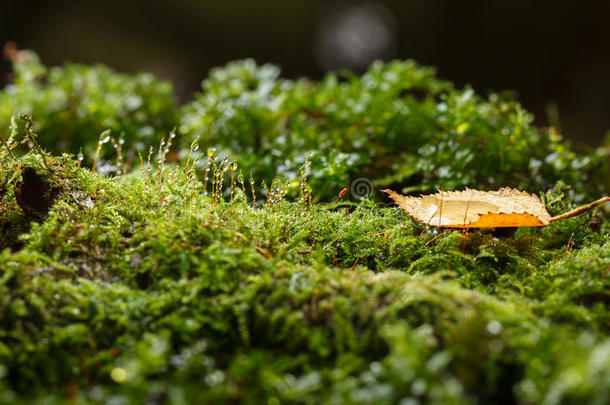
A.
pixel 470 208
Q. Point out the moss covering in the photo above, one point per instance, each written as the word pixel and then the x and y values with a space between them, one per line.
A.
pixel 182 281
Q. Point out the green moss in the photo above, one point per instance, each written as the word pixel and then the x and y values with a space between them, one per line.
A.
pixel 171 284
pixel 397 125
pixel 73 104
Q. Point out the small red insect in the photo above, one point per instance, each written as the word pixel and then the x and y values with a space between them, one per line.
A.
pixel 342 192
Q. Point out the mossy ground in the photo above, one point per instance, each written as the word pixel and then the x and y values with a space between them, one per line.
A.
pixel 174 283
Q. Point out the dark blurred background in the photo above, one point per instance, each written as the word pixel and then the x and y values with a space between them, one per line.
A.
pixel 554 54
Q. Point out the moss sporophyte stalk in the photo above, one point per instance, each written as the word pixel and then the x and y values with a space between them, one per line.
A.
pixel 178 273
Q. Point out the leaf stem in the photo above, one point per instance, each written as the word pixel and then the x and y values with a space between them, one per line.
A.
pixel 580 210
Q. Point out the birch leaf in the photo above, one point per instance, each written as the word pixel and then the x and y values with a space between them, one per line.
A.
pixel 470 208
